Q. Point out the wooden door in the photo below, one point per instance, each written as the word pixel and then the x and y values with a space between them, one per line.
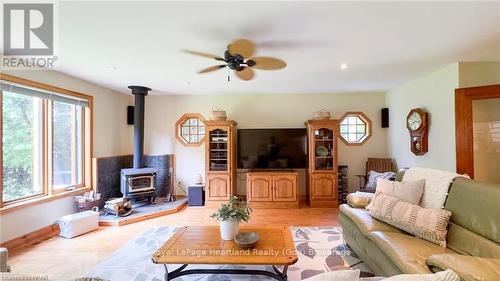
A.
pixel 218 187
pixel 285 188
pixel 259 188
pixel 477 125
pixel 324 186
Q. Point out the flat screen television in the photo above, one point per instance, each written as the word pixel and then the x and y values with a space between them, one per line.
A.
pixel 272 149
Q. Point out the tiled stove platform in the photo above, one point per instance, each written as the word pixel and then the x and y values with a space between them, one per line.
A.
pixel 143 211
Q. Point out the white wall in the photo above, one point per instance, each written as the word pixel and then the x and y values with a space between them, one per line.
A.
pixel 260 111
pixel 434 92
pixel 112 136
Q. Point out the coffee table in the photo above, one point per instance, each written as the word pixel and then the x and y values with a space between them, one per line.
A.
pixel 203 245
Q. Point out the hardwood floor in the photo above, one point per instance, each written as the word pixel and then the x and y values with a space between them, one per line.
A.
pixel 65 259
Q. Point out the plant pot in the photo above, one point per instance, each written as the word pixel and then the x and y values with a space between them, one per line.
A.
pixel 229 229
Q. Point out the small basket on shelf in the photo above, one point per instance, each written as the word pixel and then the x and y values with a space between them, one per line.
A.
pixel 218 114
pixel 322 115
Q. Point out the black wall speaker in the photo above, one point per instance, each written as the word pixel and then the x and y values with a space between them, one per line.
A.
pixel 130 115
pixel 385 117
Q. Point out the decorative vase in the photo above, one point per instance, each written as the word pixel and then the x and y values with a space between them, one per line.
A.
pixel 229 229
pixel 198 179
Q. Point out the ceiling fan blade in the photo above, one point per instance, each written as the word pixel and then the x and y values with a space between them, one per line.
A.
pixel 243 47
pixel 201 54
pixel 267 63
pixel 212 68
pixel 245 74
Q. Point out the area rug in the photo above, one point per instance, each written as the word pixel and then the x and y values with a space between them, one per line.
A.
pixel 320 249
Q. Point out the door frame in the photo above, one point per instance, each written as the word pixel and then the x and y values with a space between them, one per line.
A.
pixel 463 124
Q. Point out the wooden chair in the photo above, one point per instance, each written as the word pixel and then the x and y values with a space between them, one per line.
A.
pixel 380 165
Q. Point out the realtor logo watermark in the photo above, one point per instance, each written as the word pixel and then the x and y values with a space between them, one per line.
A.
pixel 28 36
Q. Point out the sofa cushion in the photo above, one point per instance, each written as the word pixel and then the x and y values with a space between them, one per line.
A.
pixel 428 224
pixel 467 267
pixel 466 242
pixel 482 213
pixel 364 221
pixel 407 252
pixel 367 250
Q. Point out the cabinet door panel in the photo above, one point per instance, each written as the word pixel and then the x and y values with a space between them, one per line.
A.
pixel 324 186
pixel 259 188
pixel 285 188
pixel 218 187
pixel 218 149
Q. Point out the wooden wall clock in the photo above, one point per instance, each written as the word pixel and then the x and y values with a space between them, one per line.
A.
pixel 417 123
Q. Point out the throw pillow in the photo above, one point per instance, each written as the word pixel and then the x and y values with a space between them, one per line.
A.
pixel 428 224
pixel 374 175
pixel 447 275
pixel 340 275
pixel 359 199
pixel 408 191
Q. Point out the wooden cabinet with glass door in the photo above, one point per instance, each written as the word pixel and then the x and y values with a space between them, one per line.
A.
pixel 220 161
pixel 322 173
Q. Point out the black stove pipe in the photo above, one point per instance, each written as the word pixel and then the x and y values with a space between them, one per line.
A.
pixel 140 93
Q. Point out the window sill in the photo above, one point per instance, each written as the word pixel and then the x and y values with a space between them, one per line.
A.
pixel 41 199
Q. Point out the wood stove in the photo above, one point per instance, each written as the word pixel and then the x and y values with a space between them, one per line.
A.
pixel 139 181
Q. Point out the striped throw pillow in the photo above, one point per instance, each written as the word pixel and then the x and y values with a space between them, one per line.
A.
pixel 428 224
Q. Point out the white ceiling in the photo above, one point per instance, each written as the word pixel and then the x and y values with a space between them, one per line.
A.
pixel 384 44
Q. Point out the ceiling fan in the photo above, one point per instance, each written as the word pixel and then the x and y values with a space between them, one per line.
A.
pixel 239 57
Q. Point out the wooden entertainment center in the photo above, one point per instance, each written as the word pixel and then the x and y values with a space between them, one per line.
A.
pixel 272 188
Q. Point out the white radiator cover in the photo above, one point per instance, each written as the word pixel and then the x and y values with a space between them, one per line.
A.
pixel 78 224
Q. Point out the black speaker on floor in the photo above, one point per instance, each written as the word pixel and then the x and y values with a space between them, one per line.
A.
pixel 196 195
pixel 385 117
pixel 130 115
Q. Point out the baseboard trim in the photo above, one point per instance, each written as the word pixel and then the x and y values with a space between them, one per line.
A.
pixel 32 238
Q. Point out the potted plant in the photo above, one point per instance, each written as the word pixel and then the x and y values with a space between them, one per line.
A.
pixel 229 216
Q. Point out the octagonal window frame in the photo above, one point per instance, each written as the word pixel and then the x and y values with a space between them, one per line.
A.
pixel 192 126
pixel 355 124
